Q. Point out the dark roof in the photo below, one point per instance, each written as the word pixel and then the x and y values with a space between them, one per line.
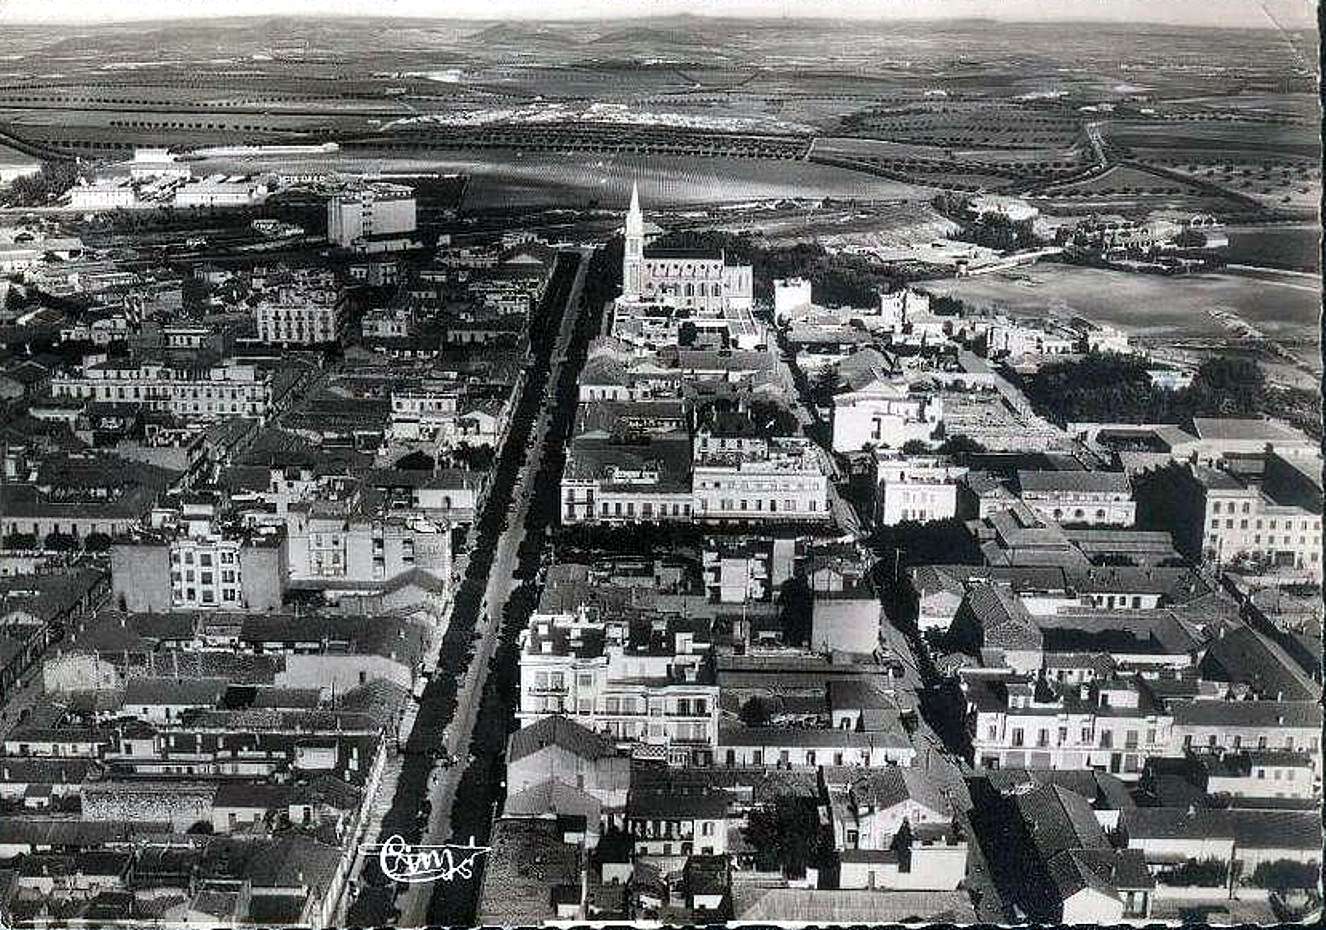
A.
pixel 202 692
pixel 1091 482
pixel 557 731
pixel 1057 819
pixel 1005 621
pixel 1247 714
pixel 527 860
pixel 1244 656
pixel 666 804
pixel 1251 829
pixel 894 785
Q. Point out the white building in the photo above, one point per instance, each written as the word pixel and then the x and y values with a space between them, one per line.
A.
pixel 616 677
pixel 789 483
pixel 149 163
pixel 372 217
pixel 1094 498
pixel 113 194
pixel 696 278
pixel 916 488
pixel 883 412
pixel 226 389
pixel 307 322
pixel 219 190
pixel 791 298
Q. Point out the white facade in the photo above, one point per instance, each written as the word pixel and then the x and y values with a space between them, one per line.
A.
pixel 301 323
pixel 791 298
pixel 637 699
pixel 917 488
pixel 225 389
pixel 680 278
pixel 789 484
pixel 884 413
pixel 103 195
pixel 370 211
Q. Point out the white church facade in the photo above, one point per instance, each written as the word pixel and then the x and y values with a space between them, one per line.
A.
pixel 699 279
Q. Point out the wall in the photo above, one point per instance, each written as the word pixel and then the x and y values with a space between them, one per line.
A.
pixel 140 574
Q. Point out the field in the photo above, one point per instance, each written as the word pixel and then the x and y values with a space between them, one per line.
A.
pixel 504 178
pixel 1284 306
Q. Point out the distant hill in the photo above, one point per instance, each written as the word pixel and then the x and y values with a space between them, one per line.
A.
pixel 648 35
pixel 506 33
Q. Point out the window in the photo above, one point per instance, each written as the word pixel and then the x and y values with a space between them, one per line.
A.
pixel 1017 736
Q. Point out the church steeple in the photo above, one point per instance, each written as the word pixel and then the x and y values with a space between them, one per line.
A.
pixel 634 247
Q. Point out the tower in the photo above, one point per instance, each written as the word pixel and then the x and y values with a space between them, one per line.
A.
pixel 634 253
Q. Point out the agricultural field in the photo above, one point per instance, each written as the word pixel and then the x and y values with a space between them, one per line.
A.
pixel 1284 306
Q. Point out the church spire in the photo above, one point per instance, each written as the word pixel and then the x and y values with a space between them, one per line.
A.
pixel 635 198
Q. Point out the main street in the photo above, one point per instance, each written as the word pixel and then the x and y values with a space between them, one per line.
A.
pixel 414 899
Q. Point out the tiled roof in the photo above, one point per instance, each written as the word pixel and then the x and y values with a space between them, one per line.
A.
pixel 1057 819
pixel 1074 482
pixel 557 731
pixel 1247 714
pixel 1250 829
pixel 894 785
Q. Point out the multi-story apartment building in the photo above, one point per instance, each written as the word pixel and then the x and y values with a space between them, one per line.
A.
pixel 1220 516
pixel 916 488
pixel 642 682
pixel 607 480
pixel 227 388
pixel 371 217
pixel 424 412
pixel 200 570
pixel 300 318
pixel 1112 724
pixel 788 483
pixel 334 543
pixel 1096 498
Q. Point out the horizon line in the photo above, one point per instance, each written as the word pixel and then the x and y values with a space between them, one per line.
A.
pixel 204 18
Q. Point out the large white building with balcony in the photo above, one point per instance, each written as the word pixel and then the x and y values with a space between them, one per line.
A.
pixel 227 388
pixel 641 682
pixel 788 483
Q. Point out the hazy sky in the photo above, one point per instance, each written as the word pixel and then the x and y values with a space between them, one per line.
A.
pixel 1290 14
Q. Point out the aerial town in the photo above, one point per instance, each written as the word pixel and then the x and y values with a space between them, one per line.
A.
pixel 648 560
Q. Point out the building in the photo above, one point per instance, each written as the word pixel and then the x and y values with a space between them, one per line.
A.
pixel 216 570
pixel 220 191
pixel 1020 722
pixel 115 194
pixel 227 387
pixel 560 750
pixel 372 217
pixel 894 830
pixel 333 545
pixel 300 319
pixel 915 488
pixel 612 480
pixel 879 410
pixel 788 484
pixel 1094 498
pixel 1217 515
pixel 693 278
pixel 645 689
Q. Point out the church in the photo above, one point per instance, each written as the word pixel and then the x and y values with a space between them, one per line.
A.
pixel 699 279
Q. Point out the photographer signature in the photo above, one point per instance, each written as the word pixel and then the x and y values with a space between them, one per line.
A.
pixel 403 862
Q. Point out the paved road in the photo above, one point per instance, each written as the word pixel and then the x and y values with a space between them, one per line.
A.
pixel 413 900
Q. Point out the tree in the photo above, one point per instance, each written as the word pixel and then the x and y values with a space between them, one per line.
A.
pixel 915 447
pixel 788 836
pixel 97 542
pixel 60 542
pixel 755 712
pixel 959 447
pixel 22 541
pixel 687 333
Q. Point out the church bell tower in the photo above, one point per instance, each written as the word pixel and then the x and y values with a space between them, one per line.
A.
pixel 634 254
